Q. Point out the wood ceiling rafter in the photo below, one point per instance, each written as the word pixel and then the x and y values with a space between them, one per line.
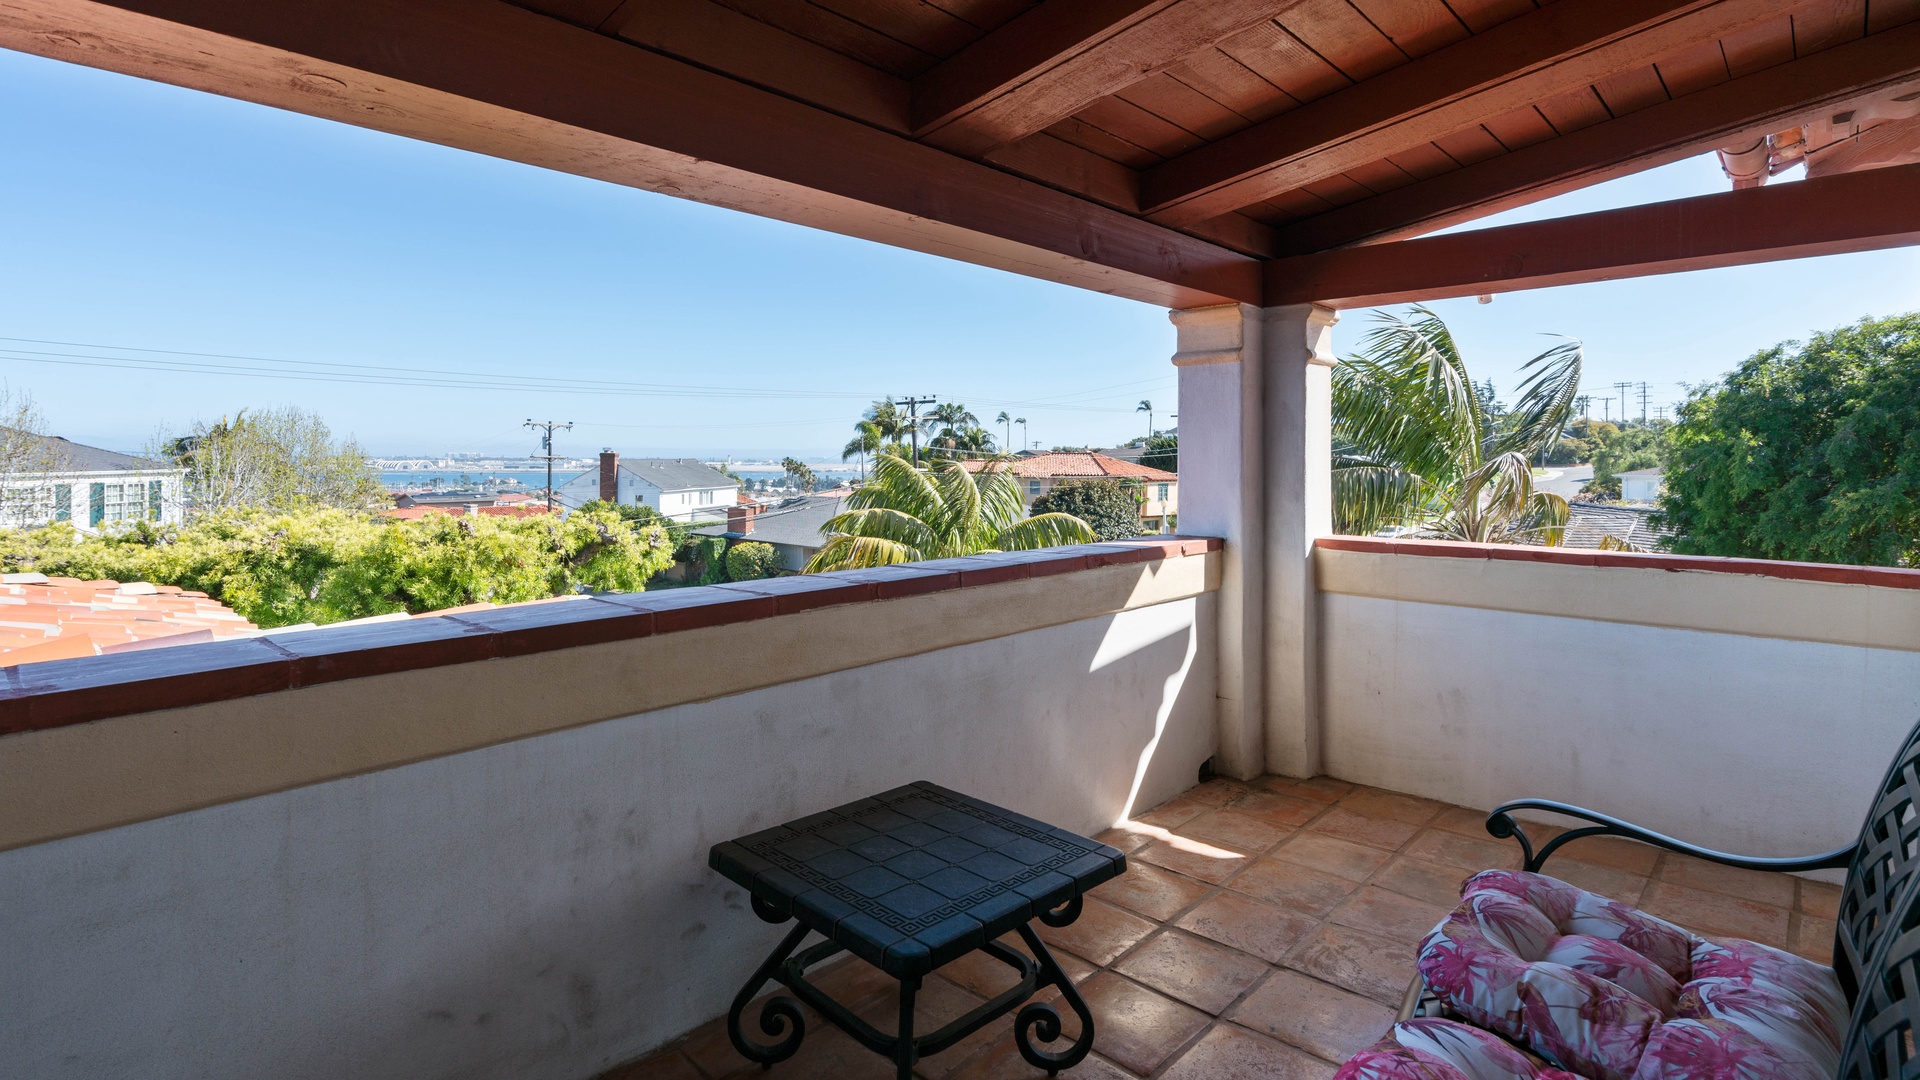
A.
pixel 1551 51
pixel 1054 60
pixel 1663 133
pixel 1832 215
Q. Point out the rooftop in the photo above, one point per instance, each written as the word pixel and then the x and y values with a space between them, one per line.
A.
pixel 65 455
pixel 1076 464
pixel 797 521
pixel 1263 929
pixel 59 618
pixel 674 474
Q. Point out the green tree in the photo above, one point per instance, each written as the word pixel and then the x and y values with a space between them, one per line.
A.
pixel 277 459
pixel 1146 407
pixel 800 474
pixel 906 514
pixel 1162 452
pixel 1805 451
pixel 750 560
pixel 866 440
pixel 1416 443
pixel 1625 449
pixel 1109 505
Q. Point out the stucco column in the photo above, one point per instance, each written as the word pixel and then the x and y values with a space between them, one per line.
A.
pixel 1298 354
pixel 1254 460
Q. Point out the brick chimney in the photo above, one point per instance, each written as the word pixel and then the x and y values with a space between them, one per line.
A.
pixel 740 518
pixel 609 476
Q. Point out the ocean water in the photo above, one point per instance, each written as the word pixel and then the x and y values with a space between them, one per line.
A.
pixel 450 479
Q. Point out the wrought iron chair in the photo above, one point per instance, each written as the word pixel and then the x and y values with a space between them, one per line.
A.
pixel 1876 956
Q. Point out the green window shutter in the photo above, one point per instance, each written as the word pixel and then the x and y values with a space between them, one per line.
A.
pixel 96 504
pixel 153 500
pixel 63 502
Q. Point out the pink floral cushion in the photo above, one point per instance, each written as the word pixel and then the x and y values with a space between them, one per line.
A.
pixel 1433 1049
pixel 1612 993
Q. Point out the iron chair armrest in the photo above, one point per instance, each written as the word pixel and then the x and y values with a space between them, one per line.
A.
pixel 1501 824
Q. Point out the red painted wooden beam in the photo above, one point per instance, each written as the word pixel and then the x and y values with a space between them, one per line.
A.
pixel 1886 62
pixel 1862 211
pixel 1060 57
pixel 1559 48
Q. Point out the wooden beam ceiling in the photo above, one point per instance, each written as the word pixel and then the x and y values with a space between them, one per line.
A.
pixel 496 79
pixel 1663 133
pixel 1060 57
pixel 1833 215
pixel 1562 47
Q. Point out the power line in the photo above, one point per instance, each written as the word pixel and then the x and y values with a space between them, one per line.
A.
pixel 913 421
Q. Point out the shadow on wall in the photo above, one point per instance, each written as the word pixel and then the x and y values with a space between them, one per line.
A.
pixel 543 908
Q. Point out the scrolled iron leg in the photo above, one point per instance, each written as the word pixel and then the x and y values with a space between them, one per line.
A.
pixel 780 1017
pixel 1042 1019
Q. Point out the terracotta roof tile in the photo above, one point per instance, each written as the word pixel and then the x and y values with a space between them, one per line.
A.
pixel 1076 465
pixel 44 618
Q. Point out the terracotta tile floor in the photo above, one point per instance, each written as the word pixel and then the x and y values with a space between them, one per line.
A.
pixel 1264 929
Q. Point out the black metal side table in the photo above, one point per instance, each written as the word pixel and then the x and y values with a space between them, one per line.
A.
pixel 908 880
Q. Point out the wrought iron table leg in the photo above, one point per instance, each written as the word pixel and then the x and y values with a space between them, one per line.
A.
pixel 780 1013
pixel 1039 1018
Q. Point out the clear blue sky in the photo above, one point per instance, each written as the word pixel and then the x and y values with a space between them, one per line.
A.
pixel 143 216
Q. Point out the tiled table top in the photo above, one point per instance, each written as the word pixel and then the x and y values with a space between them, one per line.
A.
pixel 1264 929
pixel 915 877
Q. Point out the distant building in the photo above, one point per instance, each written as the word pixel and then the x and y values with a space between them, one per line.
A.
pixel 1041 473
pixel 1642 485
pixel 680 488
pixel 52 479
pixel 793 526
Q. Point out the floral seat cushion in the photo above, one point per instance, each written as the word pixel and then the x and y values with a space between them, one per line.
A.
pixel 1611 993
pixel 1433 1049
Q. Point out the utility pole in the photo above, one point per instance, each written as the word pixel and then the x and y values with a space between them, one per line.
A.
pixel 1643 403
pixel 1606 409
pixel 1625 398
pixel 913 422
pixel 546 443
pixel 1660 413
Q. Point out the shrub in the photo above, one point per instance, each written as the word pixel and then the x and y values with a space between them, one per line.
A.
pixel 1111 507
pixel 750 560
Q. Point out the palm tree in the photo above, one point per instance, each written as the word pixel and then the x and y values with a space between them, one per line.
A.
pixel 1147 407
pixel 906 514
pixel 1004 418
pixel 951 417
pixel 967 441
pixel 1022 421
pixel 1415 443
pixel 866 440
pixel 799 473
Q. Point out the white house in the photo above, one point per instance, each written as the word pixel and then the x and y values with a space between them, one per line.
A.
pixel 47 479
pixel 1642 485
pixel 680 488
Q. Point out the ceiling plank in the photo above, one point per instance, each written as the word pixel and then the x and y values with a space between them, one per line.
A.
pixel 496 79
pixel 1056 59
pixel 1663 133
pixel 1550 51
pixel 1734 228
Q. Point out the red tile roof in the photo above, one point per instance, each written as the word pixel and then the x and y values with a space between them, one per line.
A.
pixel 43 618
pixel 1076 465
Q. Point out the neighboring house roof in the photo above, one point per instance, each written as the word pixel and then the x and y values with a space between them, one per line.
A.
pixel 415 513
pixel 1588 522
pixel 43 618
pixel 1124 453
pixel 1645 472
pixel 676 474
pixel 70 456
pixel 794 522
pixel 1076 465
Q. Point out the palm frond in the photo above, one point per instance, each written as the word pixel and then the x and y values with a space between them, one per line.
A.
pixel 1044 531
pixel 1546 400
pixel 1368 498
pixel 857 553
pixel 885 523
